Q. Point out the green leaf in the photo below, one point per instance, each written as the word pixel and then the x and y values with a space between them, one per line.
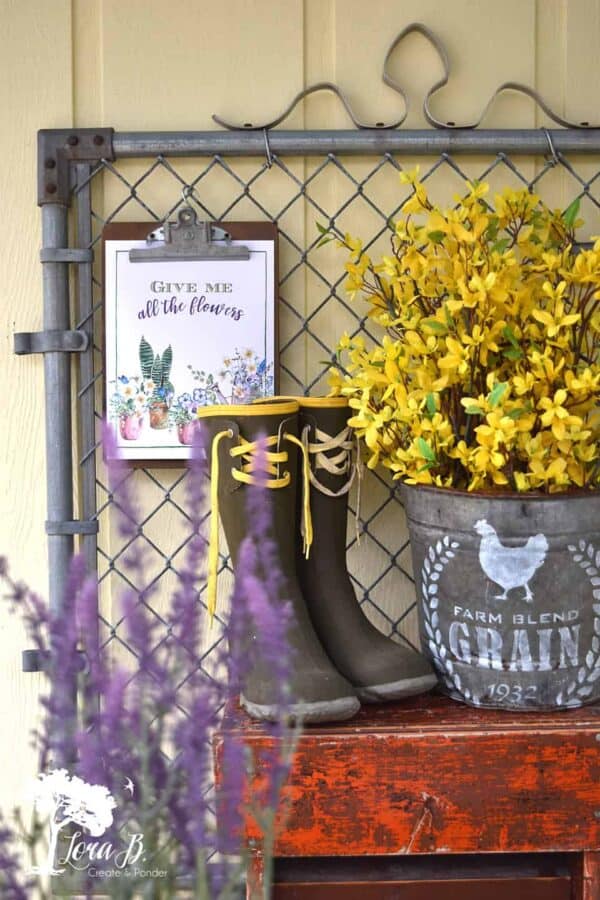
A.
pixel 491 232
pixel 436 236
pixel 473 410
pixel 435 325
pixel 426 451
pixel 510 335
pixel 425 467
pixel 321 228
pixel 515 413
pixel 571 212
pixel 431 404
pixel 323 241
pixel 501 245
pixel 513 353
pixel 497 393
pixel 449 320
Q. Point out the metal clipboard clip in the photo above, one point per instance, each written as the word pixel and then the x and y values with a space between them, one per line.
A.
pixel 188 239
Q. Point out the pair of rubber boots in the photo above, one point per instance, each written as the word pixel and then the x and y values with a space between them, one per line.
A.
pixel 338 657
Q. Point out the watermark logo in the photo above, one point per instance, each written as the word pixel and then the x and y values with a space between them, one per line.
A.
pixel 68 800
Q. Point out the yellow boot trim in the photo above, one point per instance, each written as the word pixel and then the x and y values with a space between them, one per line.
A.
pixel 314 402
pixel 213 538
pixel 323 402
pixel 249 453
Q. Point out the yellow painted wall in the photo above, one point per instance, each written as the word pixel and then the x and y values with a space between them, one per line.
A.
pixel 148 64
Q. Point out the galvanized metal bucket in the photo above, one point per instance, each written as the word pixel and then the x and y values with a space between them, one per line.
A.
pixel 508 590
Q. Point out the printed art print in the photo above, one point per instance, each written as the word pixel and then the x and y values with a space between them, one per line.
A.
pixel 182 335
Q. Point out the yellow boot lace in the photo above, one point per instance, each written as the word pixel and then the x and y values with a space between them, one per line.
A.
pixel 269 476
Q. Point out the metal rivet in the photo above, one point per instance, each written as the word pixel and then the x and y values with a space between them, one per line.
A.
pixel 50 163
pixel 51 188
pixel 72 140
pixel 98 140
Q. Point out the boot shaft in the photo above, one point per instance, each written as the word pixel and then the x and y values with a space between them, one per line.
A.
pixel 325 433
pixel 255 444
pixel 328 440
pixel 250 426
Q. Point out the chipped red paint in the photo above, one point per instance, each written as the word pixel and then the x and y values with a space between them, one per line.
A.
pixel 432 776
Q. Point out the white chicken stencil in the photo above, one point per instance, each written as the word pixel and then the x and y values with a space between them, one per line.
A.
pixel 510 567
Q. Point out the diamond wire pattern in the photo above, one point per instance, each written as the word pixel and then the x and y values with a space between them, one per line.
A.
pixel 249 197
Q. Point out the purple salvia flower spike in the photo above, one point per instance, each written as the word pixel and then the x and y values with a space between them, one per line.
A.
pixel 12 886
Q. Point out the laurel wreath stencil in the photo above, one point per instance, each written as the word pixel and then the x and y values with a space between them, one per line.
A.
pixel 436 559
pixel 582 685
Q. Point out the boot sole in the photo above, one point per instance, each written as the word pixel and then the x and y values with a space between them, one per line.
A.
pixel 309 713
pixel 396 690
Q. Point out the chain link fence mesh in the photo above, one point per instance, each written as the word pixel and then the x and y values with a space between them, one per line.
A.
pixel 356 195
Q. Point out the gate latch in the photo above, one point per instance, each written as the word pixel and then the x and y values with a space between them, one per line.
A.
pixel 50 341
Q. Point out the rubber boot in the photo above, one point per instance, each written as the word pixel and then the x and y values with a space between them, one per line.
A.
pixel 319 693
pixel 377 667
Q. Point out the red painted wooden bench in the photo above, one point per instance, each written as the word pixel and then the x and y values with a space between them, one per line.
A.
pixel 430 799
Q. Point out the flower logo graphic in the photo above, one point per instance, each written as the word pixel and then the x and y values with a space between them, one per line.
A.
pixel 67 799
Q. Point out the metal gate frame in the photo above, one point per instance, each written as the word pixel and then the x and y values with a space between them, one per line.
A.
pixel 66 163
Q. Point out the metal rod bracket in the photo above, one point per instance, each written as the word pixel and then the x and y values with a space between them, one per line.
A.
pixel 57 148
pixel 31 661
pixel 74 526
pixel 36 660
pixel 50 341
pixel 66 255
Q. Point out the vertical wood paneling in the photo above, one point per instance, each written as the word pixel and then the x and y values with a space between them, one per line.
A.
pixel 35 92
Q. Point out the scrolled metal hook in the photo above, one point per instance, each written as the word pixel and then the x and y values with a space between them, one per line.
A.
pixel 554 160
pixel 390 81
pixel 313 89
pixel 267 149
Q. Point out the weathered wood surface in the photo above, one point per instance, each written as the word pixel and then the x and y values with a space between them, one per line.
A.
pixel 556 888
pixel 586 884
pixel 535 876
pixel 431 776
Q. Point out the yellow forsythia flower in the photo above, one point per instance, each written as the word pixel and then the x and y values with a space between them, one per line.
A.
pixel 487 373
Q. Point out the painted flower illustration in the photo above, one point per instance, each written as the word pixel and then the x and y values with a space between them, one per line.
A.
pixel 248 374
pixel 131 397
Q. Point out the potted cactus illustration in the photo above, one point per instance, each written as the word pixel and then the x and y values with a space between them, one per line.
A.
pixel 156 369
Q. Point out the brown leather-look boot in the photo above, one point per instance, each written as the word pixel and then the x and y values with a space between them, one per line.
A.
pixel 319 693
pixel 377 667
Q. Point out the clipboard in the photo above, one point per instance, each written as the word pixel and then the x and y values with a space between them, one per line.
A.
pixel 186 325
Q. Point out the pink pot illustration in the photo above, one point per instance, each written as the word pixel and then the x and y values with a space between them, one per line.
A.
pixel 185 433
pixel 130 427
